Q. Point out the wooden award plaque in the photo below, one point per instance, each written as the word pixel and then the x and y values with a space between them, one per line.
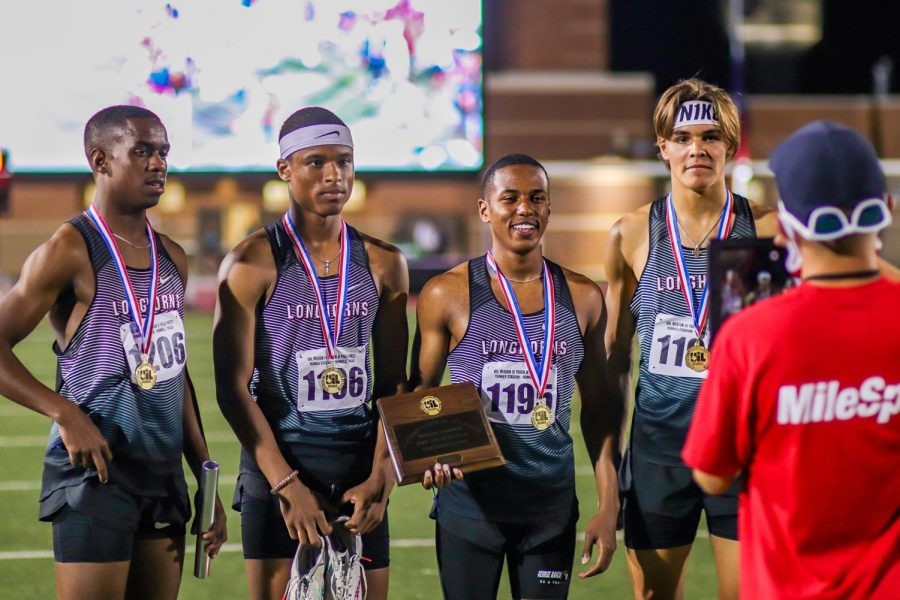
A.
pixel 445 424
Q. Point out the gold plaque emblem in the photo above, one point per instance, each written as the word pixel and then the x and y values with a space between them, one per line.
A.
pixel 430 405
pixel 697 357
pixel 332 380
pixel 145 375
pixel 541 417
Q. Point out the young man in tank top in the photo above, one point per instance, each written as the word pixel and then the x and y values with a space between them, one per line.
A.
pixel 657 264
pixel 124 411
pixel 302 305
pixel 525 331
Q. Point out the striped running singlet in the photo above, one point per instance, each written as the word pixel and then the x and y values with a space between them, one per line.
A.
pixel 143 427
pixel 330 438
pixel 539 475
pixel 667 389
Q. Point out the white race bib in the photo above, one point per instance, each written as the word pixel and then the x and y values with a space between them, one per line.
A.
pixel 509 395
pixel 167 346
pixel 672 336
pixel 310 364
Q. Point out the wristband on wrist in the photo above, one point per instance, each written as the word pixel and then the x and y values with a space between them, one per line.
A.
pixel 283 483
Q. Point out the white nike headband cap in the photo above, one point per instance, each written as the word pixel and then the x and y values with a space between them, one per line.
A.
pixel 695 112
pixel 314 135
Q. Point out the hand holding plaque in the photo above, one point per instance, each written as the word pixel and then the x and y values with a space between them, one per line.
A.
pixel 445 425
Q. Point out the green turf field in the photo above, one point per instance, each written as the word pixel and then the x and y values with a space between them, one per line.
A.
pixel 26 564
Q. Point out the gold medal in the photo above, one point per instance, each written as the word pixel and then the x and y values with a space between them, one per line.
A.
pixel 145 375
pixel 332 380
pixel 697 357
pixel 541 417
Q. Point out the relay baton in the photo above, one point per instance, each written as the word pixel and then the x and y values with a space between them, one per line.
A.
pixel 209 482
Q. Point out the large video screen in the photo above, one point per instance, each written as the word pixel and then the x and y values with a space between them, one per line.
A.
pixel 406 76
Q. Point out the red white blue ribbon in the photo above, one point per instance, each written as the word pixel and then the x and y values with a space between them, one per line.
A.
pixel 539 371
pixel 699 313
pixel 143 324
pixel 331 341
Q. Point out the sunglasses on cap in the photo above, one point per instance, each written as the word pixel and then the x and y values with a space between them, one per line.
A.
pixel 828 223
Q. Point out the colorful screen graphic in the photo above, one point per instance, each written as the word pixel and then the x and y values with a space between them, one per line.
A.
pixel 224 74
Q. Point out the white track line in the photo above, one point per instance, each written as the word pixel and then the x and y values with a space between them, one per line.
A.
pixel 231 548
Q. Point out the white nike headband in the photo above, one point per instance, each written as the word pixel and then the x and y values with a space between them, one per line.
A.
pixel 695 112
pixel 314 135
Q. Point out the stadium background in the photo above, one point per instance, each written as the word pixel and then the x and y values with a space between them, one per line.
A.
pixel 572 82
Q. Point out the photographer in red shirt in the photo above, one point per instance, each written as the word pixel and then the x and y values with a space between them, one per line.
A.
pixel 803 396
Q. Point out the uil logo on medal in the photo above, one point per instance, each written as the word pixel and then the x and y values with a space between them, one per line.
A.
pixel 697 357
pixel 541 416
pixel 332 380
pixel 430 405
pixel 145 376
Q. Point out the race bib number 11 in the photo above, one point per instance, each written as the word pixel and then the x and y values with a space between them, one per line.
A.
pixel 672 336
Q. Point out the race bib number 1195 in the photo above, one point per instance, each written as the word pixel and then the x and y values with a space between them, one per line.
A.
pixel 508 393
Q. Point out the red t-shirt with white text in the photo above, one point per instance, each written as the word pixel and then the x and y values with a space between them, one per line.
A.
pixel 803 396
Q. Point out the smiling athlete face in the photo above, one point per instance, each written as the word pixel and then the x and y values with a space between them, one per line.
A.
pixel 696 155
pixel 517 207
pixel 320 178
pixel 134 163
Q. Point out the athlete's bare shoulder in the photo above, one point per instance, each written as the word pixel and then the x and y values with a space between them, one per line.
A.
pixel 248 271
pixel 586 296
pixel 252 254
pixel 629 242
pixel 765 218
pixel 252 250
pixel 61 258
pixel 386 262
pixel 178 255
pixel 447 293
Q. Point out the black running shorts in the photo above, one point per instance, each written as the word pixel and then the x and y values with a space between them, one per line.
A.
pixel 97 523
pixel 471 553
pixel 265 536
pixel 662 506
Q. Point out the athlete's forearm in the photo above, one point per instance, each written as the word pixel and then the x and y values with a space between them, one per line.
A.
pixel 195 449
pixel 382 471
pixel 605 476
pixel 253 432
pixel 19 385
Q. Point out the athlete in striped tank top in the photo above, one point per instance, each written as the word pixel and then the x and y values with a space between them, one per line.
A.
pixel 299 397
pixel 124 411
pixel 698 129
pixel 474 318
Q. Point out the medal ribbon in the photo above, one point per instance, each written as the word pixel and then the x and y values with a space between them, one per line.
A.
pixel 144 326
pixel 539 371
pixel 700 313
pixel 343 276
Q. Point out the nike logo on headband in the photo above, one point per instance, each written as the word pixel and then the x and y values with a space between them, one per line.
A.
pixel 335 132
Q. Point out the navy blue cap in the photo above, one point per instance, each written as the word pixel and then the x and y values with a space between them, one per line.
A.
pixel 826 164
